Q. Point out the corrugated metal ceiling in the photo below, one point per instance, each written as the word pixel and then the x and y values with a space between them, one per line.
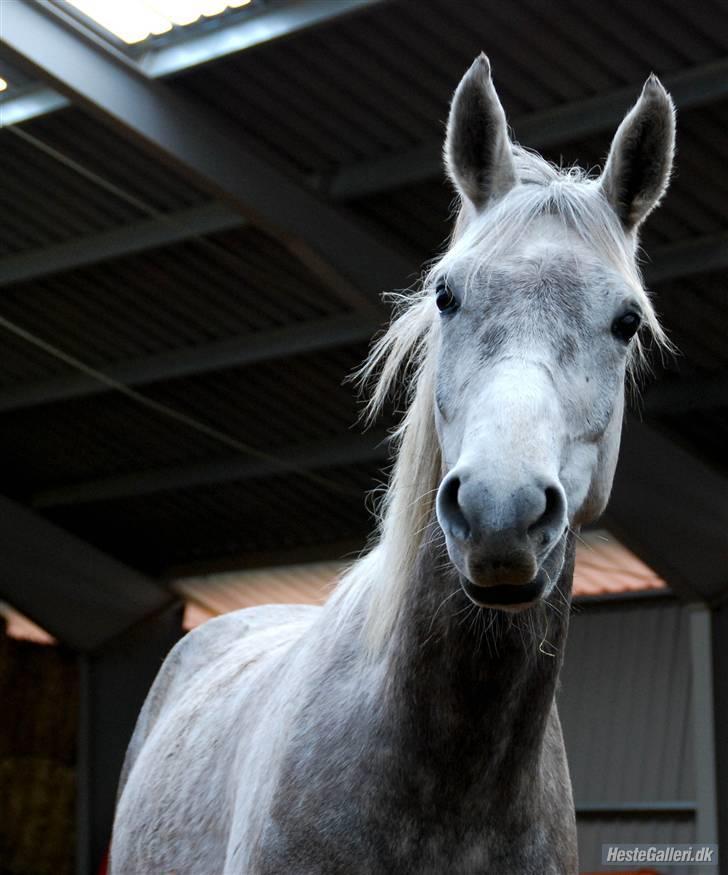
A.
pixel 45 201
pixel 230 284
pixel 267 405
pixel 369 86
pixel 237 521
pixel 381 81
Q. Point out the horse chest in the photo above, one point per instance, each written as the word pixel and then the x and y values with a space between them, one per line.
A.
pixel 399 807
pixel 352 838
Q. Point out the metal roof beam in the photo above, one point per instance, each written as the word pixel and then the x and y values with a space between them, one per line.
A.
pixel 539 130
pixel 162 230
pixel 229 353
pixel 346 450
pixel 199 145
pixel 269 25
pixel 671 509
pixel 77 593
pixel 30 104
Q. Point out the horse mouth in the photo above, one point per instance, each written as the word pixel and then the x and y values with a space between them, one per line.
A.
pixel 506 595
pixel 519 596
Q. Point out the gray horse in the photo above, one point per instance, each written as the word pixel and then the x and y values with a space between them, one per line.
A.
pixel 409 725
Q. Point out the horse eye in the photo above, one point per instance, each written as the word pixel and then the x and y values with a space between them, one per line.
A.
pixel 626 326
pixel 445 300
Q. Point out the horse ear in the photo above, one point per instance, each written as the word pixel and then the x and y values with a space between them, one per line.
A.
pixel 638 168
pixel 478 154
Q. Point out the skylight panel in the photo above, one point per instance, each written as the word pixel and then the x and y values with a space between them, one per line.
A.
pixel 136 20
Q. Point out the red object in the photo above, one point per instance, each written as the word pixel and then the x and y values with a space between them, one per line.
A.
pixel 628 872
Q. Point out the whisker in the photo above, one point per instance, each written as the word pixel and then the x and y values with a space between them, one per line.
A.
pixel 579 538
pixel 439 607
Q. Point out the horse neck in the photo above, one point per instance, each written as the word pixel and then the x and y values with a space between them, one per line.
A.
pixel 478 681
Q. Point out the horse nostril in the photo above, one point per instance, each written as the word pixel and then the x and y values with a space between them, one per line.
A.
pixel 549 523
pixel 452 519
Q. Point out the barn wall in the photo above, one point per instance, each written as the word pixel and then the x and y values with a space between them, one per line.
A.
pixel 625 705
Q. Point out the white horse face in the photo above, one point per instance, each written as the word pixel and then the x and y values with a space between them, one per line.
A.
pixel 528 400
pixel 533 350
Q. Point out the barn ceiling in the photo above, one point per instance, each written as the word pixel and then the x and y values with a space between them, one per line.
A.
pixel 170 362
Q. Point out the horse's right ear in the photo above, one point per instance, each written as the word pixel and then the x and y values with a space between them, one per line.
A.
pixel 478 154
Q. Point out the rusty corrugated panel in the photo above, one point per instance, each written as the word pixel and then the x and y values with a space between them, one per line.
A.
pixel 19 627
pixel 604 566
pixel 216 594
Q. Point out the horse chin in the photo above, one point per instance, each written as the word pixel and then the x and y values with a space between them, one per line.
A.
pixel 516 597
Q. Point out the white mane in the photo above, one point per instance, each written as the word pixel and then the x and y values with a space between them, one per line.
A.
pixel 404 359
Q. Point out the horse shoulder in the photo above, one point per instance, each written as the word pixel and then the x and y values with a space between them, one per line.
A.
pixel 196 652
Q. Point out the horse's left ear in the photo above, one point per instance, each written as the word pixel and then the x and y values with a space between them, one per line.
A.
pixel 478 154
pixel 638 168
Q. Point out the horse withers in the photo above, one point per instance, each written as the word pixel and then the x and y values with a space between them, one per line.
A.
pixel 409 725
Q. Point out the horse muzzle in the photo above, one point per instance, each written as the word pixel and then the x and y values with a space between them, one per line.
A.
pixel 506 547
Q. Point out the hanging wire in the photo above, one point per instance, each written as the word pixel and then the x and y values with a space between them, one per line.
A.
pixel 172 413
pixel 90 175
pixel 138 203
